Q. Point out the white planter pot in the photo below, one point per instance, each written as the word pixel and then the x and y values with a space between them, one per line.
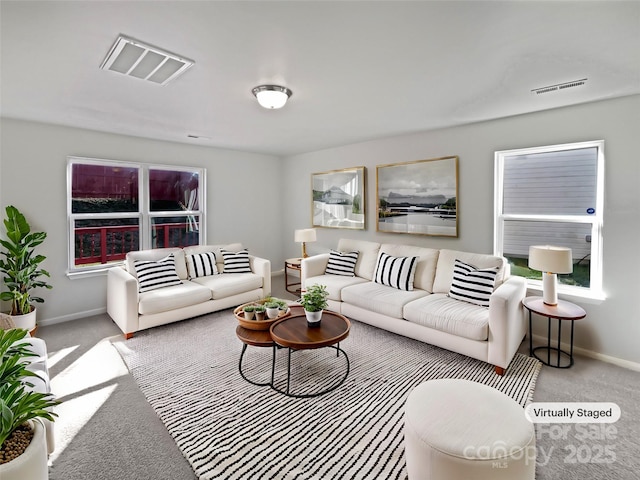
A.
pixel 313 318
pixel 27 321
pixel 273 312
pixel 32 464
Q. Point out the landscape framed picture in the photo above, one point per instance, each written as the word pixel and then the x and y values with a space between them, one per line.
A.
pixel 338 198
pixel 418 197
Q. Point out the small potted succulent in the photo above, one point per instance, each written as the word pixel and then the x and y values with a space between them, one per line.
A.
pixel 314 301
pixel 249 312
pixel 273 308
pixel 260 311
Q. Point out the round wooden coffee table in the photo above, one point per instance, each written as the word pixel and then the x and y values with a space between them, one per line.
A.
pixel 293 334
pixel 255 338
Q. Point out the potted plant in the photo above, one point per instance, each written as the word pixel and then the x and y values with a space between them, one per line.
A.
pixel 20 411
pixel 314 301
pixel 249 312
pixel 260 312
pixel 21 267
pixel 273 309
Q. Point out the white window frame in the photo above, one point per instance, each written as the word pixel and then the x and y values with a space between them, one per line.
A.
pixel 595 290
pixel 144 215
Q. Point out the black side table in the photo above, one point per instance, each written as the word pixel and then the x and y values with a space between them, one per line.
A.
pixel 562 311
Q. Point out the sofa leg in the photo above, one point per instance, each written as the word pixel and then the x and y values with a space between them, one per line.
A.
pixel 127 336
pixel 500 371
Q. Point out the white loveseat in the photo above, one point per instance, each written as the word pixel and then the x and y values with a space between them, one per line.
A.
pixel 427 313
pixel 133 311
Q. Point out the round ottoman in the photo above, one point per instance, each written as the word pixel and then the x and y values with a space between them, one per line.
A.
pixel 462 430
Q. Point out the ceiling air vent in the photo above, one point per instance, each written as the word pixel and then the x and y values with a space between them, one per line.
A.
pixel 559 86
pixel 138 59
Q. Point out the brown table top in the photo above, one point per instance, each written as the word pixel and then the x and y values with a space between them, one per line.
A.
pixel 293 331
pixel 257 338
pixel 562 311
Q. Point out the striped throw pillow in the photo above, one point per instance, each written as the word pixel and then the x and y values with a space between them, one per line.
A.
pixel 236 262
pixel 342 263
pixel 471 284
pixel 202 264
pixel 153 275
pixel 396 272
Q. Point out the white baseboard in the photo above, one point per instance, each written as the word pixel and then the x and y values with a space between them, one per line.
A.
pixel 620 362
pixel 73 316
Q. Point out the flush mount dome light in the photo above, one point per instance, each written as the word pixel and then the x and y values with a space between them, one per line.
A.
pixel 272 96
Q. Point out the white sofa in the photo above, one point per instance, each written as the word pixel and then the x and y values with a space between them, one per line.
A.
pixel 133 311
pixel 427 313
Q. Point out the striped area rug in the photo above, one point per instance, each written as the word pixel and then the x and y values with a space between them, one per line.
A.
pixel 229 429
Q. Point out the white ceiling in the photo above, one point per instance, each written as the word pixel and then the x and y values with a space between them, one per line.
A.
pixel 358 70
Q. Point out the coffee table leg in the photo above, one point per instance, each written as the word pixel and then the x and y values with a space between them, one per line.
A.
pixel 273 364
pixel 559 338
pixel 288 369
pixel 548 340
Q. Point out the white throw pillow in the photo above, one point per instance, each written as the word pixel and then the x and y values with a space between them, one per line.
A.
pixel 153 275
pixel 396 272
pixel 202 264
pixel 471 284
pixel 236 262
pixel 342 263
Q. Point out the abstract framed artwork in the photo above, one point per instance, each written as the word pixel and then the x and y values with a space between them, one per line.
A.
pixel 338 198
pixel 418 197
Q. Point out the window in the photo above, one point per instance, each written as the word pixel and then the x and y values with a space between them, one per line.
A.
pixel 116 207
pixel 552 196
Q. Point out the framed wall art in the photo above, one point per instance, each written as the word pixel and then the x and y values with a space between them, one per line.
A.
pixel 418 197
pixel 338 198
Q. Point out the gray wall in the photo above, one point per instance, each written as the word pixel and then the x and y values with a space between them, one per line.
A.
pixel 33 159
pixel 260 199
pixel 612 326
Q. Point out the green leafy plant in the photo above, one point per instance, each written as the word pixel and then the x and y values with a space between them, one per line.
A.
pixel 315 298
pixel 249 308
pixel 17 403
pixel 21 266
pixel 260 308
pixel 272 304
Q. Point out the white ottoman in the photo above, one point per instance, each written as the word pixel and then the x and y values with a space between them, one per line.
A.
pixel 463 430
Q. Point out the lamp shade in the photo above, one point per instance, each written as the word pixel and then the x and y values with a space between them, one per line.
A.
pixel 272 96
pixel 547 258
pixel 305 235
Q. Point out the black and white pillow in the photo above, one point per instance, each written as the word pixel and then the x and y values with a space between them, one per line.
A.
pixel 236 262
pixel 156 274
pixel 342 263
pixel 202 264
pixel 396 272
pixel 471 284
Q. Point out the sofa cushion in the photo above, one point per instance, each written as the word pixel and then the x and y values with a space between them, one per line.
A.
pixel 223 286
pixel 236 262
pixel 380 298
pixel 334 284
pixel 342 263
pixel 216 249
pixel 153 275
pixel 440 312
pixel 471 284
pixel 367 256
pixel 154 255
pixel 172 298
pixel 446 261
pixel 427 261
pixel 201 264
pixel 396 272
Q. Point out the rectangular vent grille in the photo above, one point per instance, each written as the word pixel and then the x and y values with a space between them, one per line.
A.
pixel 559 86
pixel 138 59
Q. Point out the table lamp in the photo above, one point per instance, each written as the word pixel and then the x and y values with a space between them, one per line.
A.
pixel 550 261
pixel 303 236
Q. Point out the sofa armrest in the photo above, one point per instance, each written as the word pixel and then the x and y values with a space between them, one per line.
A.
pixel 313 266
pixel 262 267
pixel 507 325
pixel 122 299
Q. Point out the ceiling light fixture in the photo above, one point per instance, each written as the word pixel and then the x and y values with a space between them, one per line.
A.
pixel 272 96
